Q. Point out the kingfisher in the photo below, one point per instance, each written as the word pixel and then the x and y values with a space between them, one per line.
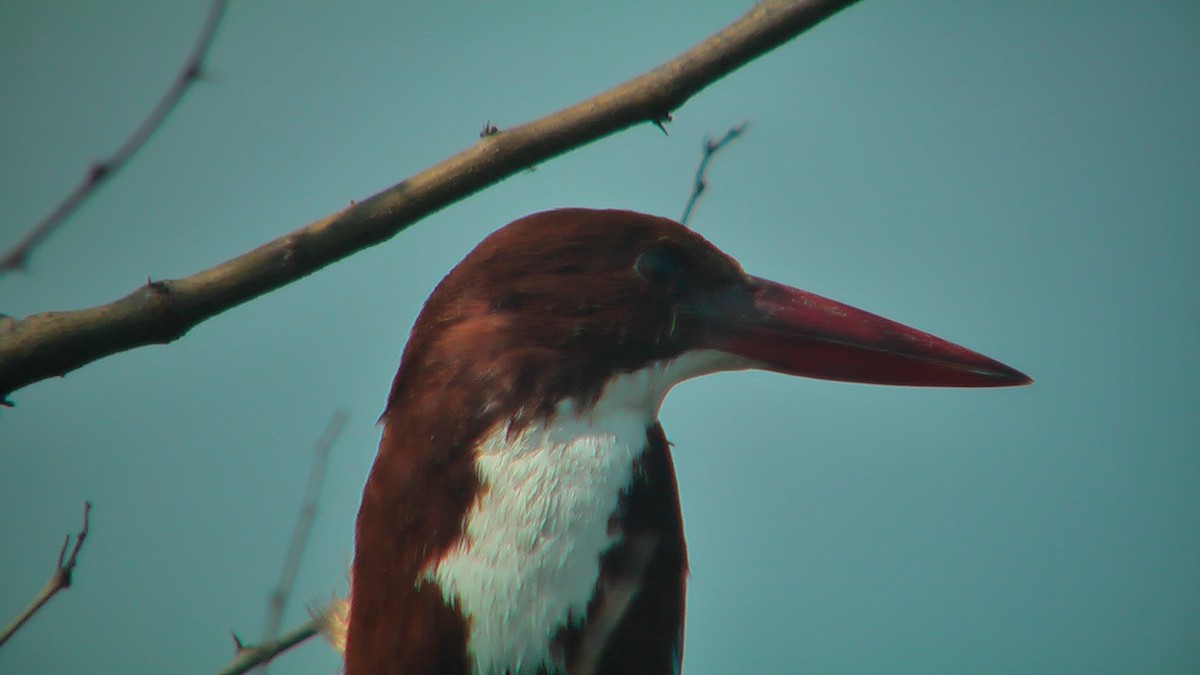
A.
pixel 522 515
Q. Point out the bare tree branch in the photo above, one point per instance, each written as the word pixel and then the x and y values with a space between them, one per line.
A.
pixel 55 343
pixel 711 148
pixel 60 579
pixel 18 256
pixel 277 603
pixel 249 656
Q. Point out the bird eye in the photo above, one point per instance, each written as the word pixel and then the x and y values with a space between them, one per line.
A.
pixel 661 268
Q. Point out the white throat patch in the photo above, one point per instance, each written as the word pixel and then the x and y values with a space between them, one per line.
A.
pixel 529 559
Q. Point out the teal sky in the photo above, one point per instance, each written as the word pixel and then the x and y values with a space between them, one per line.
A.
pixel 1020 177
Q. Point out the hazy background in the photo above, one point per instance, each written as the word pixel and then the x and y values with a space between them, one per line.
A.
pixel 1021 177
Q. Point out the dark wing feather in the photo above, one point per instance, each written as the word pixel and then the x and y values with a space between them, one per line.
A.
pixel 635 619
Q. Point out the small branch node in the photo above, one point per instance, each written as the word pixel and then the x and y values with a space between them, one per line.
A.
pixel 59 579
pixel 160 287
pixel 97 172
pixel 661 120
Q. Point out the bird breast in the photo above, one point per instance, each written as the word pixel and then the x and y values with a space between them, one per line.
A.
pixel 529 557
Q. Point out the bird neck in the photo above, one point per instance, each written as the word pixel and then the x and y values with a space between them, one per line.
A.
pixel 486 547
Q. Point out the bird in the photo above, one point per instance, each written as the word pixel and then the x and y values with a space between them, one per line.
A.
pixel 522 514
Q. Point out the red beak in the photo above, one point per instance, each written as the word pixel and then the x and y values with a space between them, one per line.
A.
pixel 791 331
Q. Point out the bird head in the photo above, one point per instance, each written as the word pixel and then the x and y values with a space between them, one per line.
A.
pixel 551 306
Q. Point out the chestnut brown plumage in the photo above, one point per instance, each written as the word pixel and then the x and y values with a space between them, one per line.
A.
pixel 537 320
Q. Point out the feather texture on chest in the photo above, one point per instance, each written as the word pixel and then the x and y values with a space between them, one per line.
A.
pixel 529 559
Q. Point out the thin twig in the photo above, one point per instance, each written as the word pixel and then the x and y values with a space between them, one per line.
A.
pixel 711 148
pixel 278 600
pixel 54 343
pixel 249 656
pixel 59 580
pixel 193 70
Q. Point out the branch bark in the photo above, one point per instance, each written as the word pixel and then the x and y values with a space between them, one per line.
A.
pixel 250 656
pixel 54 343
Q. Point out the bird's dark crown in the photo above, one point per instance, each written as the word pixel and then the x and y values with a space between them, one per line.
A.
pixel 552 305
